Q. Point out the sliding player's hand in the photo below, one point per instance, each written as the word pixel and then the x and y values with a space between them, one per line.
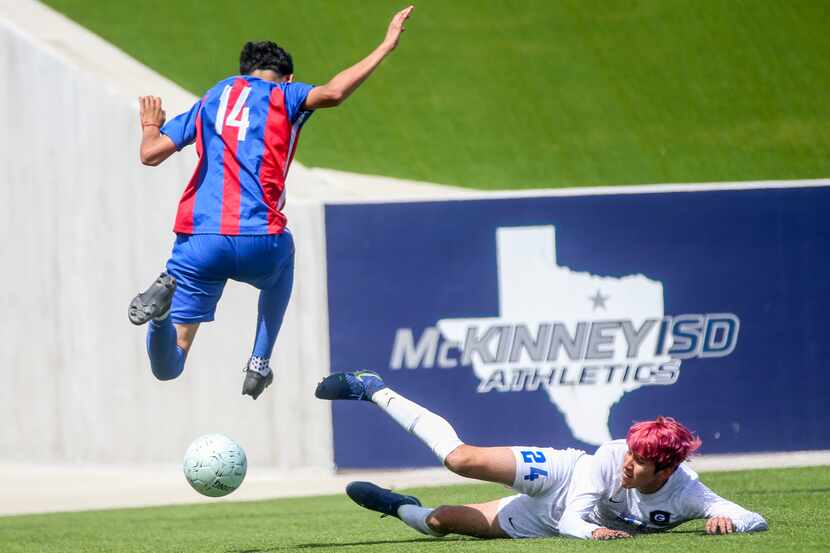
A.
pixel 396 27
pixel 151 113
pixel 609 534
pixel 719 525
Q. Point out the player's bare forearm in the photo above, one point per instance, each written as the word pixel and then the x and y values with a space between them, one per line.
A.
pixel 341 86
pixel 155 147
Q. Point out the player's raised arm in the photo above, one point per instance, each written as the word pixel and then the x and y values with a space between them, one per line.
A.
pixel 335 92
pixel 155 146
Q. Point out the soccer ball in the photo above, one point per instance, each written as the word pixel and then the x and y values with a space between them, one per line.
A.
pixel 215 465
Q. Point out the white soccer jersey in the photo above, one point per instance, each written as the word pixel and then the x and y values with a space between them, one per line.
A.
pixel 596 499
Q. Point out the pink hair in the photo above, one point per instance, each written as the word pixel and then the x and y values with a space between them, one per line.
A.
pixel 663 441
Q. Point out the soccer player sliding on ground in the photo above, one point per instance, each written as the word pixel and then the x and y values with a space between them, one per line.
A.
pixel 230 223
pixel 639 484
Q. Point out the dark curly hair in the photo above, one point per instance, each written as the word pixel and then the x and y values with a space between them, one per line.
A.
pixel 265 55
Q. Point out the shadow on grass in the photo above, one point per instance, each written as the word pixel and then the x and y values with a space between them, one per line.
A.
pixel 268 549
pixel 785 492
pixel 424 541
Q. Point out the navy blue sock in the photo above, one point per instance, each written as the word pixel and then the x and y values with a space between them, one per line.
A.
pixel 166 358
pixel 272 305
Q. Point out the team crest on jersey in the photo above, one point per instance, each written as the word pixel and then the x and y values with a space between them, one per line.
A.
pixel 660 518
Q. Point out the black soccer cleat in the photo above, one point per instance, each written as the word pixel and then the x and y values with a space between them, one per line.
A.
pixel 355 385
pixel 154 302
pixel 255 383
pixel 373 497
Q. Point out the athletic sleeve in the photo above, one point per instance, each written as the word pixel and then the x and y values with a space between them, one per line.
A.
pixel 295 95
pixel 702 502
pixel 182 128
pixel 592 479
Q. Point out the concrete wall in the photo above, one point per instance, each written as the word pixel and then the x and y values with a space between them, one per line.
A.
pixel 84 227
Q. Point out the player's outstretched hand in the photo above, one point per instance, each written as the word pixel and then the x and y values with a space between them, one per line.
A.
pixel 396 27
pixel 151 113
pixel 719 525
pixel 609 534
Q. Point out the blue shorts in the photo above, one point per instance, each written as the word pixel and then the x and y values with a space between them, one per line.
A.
pixel 203 263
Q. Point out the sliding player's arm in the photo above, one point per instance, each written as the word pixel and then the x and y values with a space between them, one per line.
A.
pixel 573 523
pixel 591 483
pixel 723 516
pixel 340 87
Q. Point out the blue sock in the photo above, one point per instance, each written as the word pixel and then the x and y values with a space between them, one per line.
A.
pixel 272 305
pixel 166 358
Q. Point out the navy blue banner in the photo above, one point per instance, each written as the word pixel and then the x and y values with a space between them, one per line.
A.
pixel 559 321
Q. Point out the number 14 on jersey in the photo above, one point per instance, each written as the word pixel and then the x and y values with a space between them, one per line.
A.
pixel 238 116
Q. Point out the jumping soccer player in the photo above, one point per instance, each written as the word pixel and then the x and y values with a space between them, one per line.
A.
pixel 230 223
pixel 629 486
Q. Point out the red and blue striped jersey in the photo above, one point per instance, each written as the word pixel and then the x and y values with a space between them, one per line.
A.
pixel 246 132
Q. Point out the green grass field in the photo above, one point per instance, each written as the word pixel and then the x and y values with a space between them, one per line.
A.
pixel 794 501
pixel 517 94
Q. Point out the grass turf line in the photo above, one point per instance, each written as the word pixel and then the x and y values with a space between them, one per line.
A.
pixel 794 502
pixel 507 94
